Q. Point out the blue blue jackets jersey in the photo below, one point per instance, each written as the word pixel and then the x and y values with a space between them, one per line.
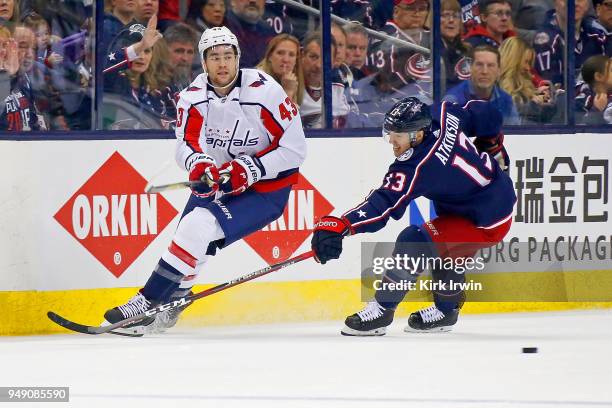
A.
pixel 463 93
pixel 447 169
pixel 549 45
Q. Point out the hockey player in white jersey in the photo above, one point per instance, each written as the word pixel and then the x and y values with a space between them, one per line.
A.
pixel 237 123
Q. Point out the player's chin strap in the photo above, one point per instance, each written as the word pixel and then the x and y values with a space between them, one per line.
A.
pixel 232 82
pixel 414 139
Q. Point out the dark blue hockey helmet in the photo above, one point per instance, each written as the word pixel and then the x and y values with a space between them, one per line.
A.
pixel 407 115
pixel 128 36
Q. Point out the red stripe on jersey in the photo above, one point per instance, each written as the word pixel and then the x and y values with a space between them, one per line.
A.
pixel 181 254
pixel 273 127
pixel 265 186
pixel 192 128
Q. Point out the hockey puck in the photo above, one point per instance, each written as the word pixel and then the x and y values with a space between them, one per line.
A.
pixel 530 349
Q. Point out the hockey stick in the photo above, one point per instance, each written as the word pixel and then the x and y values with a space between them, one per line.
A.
pixel 81 328
pixel 223 178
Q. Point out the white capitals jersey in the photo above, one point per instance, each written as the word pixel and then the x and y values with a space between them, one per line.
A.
pixel 256 118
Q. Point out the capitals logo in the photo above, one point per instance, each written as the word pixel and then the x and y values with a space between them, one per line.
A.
pixel 261 81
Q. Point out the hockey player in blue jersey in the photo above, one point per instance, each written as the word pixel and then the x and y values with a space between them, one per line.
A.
pixel 473 197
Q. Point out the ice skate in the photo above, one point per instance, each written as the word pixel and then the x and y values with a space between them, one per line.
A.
pixel 431 319
pixel 371 321
pixel 166 320
pixel 135 306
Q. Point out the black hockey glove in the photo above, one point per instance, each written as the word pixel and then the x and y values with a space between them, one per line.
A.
pixel 327 238
pixel 495 148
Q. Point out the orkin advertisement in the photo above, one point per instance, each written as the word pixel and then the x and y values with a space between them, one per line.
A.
pixel 112 217
pixel 78 217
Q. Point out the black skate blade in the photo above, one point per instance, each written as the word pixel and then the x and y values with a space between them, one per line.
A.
pixel 347 331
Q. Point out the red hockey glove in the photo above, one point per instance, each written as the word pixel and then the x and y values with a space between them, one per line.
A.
pixel 327 237
pixel 239 174
pixel 204 171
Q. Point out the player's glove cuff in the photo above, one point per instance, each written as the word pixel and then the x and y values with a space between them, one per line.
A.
pixel 327 238
pixel 198 158
pixel 491 145
pixel 340 226
pixel 252 167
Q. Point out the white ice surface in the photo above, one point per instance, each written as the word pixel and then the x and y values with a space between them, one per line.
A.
pixel 480 364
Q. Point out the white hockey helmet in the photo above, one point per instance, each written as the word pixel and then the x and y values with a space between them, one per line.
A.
pixel 214 36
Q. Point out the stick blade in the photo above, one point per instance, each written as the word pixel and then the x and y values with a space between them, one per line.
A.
pixel 67 324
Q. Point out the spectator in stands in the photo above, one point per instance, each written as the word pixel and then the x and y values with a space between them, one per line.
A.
pixel 528 15
pixel 534 104
pixel 169 13
pixel 594 95
pixel 340 38
pixel 404 65
pixel 484 73
pixel 276 15
pixel 19 112
pixel 118 14
pixel 46 96
pixel 549 41
pixel 204 14
pixel 9 63
pixel 145 9
pixel 65 17
pixel 371 97
pixel 75 84
pixel 245 20
pixel 44 40
pixel 603 8
pixel 496 26
pixel 455 51
pixel 341 71
pixel 357 50
pixel 181 40
pixel 9 13
pixel 283 61
pixel 354 10
pixel 382 11
pixel 74 81
pixel 141 74
pixel 310 109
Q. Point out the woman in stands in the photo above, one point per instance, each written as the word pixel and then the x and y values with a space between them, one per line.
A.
pixel 282 62
pixel 455 50
pixel 138 70
pixel 204 14
pixel 531 95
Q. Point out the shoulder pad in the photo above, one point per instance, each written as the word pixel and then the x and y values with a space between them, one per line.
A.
pixel 196 91
pixel 253 84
